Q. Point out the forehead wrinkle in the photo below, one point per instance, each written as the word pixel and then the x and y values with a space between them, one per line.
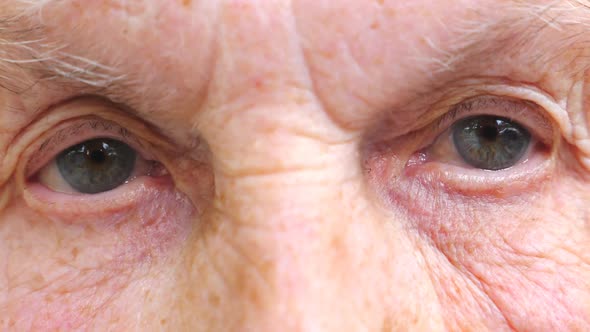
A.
pixel 23 44
pixel 485 38
pixel 531 38
pixel 25 48
pixel 569 22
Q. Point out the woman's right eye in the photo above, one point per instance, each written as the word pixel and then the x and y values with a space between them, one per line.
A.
pixel 97 165
pixel 94 166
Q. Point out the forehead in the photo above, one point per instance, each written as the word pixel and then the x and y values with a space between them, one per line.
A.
pixel 355 54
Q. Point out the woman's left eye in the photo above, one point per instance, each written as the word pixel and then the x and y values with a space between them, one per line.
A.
pixel 94 166
pixel 490 142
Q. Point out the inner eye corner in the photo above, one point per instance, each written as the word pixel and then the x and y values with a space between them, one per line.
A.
pixel 157 169
pixel 544 147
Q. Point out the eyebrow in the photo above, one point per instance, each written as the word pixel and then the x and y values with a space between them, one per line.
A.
pixel 24 48
pixel 525 23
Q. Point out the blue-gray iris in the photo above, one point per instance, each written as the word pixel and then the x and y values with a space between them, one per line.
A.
pixel 97 165
pixel 490 142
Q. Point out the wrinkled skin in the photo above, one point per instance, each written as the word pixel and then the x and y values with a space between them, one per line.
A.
pixel 294 202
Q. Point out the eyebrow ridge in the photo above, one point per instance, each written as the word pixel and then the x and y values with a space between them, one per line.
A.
pixel 484 38
pixel 24 47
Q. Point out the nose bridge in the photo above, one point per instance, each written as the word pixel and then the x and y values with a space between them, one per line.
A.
pixel 287 242
pixel 292 231
pixel 308 255
pixel 283 187
pixel 275 149
pixel 262 115
pixel 286 177
pixel 288 191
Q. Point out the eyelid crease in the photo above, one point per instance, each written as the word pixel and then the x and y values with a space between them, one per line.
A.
pixel 576 107
pixel 24 150
pixel 99 125
pixel 552 109
pixel 433 108
pixel 528 116
pixel 76 131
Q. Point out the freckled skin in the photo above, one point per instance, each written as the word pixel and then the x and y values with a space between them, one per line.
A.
pixel 288 210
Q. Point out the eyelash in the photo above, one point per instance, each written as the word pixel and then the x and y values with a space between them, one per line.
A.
pixel 531 118
pixel 80 130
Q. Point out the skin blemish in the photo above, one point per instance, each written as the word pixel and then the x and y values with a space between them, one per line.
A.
pixel 259 83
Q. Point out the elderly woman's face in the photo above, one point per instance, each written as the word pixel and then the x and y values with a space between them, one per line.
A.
pixel 294 165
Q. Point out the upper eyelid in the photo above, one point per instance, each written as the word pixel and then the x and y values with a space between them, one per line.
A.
pixel 530 116
pixel 59 136
pixel 442 104
pixel 76 133
pixel 23 157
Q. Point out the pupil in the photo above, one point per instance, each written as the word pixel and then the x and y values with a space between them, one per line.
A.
pixel 98 156
pixel 489 133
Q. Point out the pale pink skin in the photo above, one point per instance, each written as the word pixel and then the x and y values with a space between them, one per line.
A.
pixel 297 200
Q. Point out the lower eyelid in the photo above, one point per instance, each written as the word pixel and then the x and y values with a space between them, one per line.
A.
pixel 146 219
pixel 443 150
pixel 101 206
pixel 531 173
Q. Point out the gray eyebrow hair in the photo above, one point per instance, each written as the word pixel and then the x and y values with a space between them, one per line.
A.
pixel 24 46
pixel 524 24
